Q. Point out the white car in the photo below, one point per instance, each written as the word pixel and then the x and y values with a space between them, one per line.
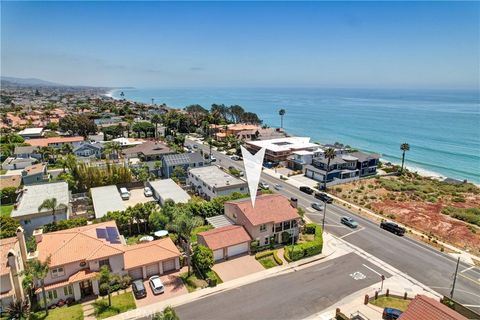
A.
pixel 264 185
pixel 156 285
pixel 317 206
pixel 213 159
pixel 147 192
pixel 277 186
pixel 235 158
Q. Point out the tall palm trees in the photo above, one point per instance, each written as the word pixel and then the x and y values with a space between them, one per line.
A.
pixel 52 205
pixel 156 120
pixel 329 155
pixel 404 147
pixel 38 271
pixel 281 112
pixel 183 224
pixel 113 148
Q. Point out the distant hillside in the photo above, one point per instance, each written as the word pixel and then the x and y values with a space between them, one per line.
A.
pixel 31 82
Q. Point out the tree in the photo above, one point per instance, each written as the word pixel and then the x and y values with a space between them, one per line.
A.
pixel 8 195
pixel 183 224
pixel 38 271
pixel 105 279
pixel 281 112
pixel 9 227
pixel 157 166
pixel 167 314
pixel 113 148
pixel 203 258
pixel 79 124
pixel 156 120
pixel 52 205
pixel 404 147
pixel 329 155
pixel 18 309
pixel 179 173
pixel 197 112
pixel 44 152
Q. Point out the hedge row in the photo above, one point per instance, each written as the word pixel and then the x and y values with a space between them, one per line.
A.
pixel 268 253
pixel 307 249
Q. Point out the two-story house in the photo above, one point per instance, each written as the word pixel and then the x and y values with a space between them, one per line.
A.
pixel 181 160
pixel 36 173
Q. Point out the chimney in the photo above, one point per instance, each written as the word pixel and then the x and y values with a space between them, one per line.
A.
pixel 38 234
pixel 15 273
pixel 22 244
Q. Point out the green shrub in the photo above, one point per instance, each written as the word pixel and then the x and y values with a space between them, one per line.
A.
pixel 307 249
pixel 254 245
pixel 277 259
pixel 202 258
pixel 310 228
pixel 470 215
pixel 8 195
pixel 263 254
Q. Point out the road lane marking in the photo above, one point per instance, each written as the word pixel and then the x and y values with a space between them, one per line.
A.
pixel 467 269
pixel 348 234
pixel 471 279
pixel 358 275
pixel 371 269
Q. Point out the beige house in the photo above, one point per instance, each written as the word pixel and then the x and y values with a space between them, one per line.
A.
pixel 272 215
pixel 76 256
pixel 13 256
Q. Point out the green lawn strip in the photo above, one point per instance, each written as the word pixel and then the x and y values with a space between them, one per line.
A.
pixel 193 238
pixel 268 262
pixel 5 210
pixel 73 312
pixel 213 275
pixel 120 303
pixel 391 302
pixel 192 282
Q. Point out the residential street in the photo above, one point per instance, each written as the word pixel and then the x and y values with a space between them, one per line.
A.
pixel 294 295
pixel 432 268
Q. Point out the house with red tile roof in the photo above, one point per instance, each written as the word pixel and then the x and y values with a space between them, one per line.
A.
pixel 77 254
pixel 55 142
pixel 426 308
pixel 225 242
pixel 272 216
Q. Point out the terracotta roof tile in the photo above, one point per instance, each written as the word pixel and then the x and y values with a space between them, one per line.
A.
pixel 145 253
pixel 10 181
pixel 34 169
pixel 76 277
pixel 425 308
pixel 5 246
pixel 44 142
pixel 224 237
pixel 268 208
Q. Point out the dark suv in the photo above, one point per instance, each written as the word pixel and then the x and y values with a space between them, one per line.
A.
pixel 306 189
pixel 393 228
pixel 322 196
pixel 139 289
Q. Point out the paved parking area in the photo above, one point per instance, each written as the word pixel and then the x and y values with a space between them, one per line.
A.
pixel 305 180
pixel 173 287
pixel 136 196
pixel 237 267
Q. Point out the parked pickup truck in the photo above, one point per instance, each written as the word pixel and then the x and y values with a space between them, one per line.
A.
pixel 322 196
pixel 393 228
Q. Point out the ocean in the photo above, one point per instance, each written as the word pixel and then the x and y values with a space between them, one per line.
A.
pixel 442 127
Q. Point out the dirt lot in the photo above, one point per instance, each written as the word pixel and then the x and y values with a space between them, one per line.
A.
pixel 421 203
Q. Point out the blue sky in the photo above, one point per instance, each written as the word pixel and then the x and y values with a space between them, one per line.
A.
pixel 324 44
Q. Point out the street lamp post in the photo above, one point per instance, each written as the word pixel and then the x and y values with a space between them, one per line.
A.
pixel 383 278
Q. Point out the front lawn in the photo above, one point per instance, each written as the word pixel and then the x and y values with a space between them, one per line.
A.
pixel 391 302
pixel 193 282
pixel 268 262
pixel 120 303
pixel 212 275
pixel 268 259
pixel 5 210
pixel 193 238
pixel 73 312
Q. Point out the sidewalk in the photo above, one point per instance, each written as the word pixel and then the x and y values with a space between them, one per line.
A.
pixel 465 256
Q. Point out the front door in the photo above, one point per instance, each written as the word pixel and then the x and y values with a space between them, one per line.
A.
pixel 86 288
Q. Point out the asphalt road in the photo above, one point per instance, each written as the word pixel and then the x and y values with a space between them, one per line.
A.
pixel 427 265
pixel 294 295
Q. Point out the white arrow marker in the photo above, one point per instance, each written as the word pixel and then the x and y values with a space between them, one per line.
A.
pixel 253 169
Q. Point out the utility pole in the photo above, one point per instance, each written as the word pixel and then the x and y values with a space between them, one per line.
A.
pixel 454 279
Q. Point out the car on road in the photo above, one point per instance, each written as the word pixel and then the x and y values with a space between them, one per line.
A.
pixel 241 173
pixel 156 285
pixel 194 146
pixel 277 186
pixel 391 314
pixel 349 222
pixel 324 197
pixel 235 158
pixel 317 206
pixel 139 289
pixel 306 189
pixel 147 192
pixel 264 185
pixel 213 159
pixel 392 227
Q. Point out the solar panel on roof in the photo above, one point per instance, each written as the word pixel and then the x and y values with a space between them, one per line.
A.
pixel 112 235
pixel 101 233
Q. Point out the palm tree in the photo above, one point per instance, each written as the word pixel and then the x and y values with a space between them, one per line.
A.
pixel 404 147
pixel 156 120
pixel 183 224
pixel 67 148
pixel 44 152
pixel 157 166
pixel 38 271
pixel 114 148
pixel 329 155
pixel 51 204
pixel 18 309
pixel 105 280
pixel 281 112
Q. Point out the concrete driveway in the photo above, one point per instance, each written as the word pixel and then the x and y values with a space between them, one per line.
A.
pixel 173 287
pixel 237 267
pixel 136 196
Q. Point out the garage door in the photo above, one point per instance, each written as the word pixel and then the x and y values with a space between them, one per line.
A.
pixel 237 249
pixel 135 273
pixel 169 265
pixel 152 269
pixel 218 254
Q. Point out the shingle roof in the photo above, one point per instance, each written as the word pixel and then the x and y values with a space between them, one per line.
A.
pixel 224 237
pixel 268 208
pixel 149 148
pixel 146 253
pixel 24 149
pixel 425 308
pixel 182 158
pixel 362 156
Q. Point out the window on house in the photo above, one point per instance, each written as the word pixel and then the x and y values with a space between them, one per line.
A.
pixel 263 228
pixel 104 262
pixel 52 294
pixel 286 225
pixel 294 223
pixel 68 290
pixel 278 227
pixel 267 240
pixel 58 272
